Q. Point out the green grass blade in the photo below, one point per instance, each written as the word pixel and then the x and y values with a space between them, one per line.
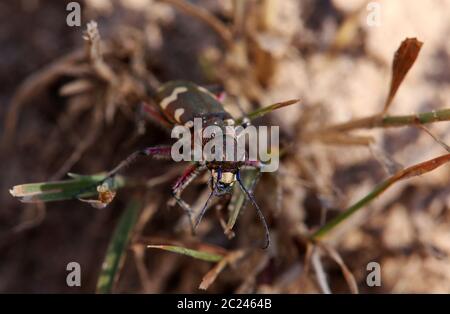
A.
pixel 406 173
pixel 62 190
pixel 238 199
pixel 265 110
pixel 202 255
pixel 380 188
pixel 116 252
pixel 420 118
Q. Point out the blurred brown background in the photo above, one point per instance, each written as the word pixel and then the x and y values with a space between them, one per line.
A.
pixel 322 52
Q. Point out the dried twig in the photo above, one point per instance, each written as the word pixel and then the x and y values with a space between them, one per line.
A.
pixel 33 85
pixel 92 36
pixel 206 17
pixel 320 272
pixel 378 121
pixel 435 138
pixel 83 145
pixel 144 276
pixel 349 278
pixel 211 276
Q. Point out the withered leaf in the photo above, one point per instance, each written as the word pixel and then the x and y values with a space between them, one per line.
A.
pixel 404 58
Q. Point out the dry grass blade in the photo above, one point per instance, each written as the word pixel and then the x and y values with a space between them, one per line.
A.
pixel 250 281
pixel 349 278
pixel 92 36
pixel 345 139
pixel 202 255
pixel 203 15
pixel 404 58
pixel 139 249
pixel 409 172
pixel 211 276
pixel 83 145
pixel 32 86
pixel 75 87
pixel 238 200
pixel 378 121
pixel 144 276
pixel 390 165
pixel 320 272
pixel 420 168
pixel 435 138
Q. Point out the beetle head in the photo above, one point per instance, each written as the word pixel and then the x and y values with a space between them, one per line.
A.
pixel 222 182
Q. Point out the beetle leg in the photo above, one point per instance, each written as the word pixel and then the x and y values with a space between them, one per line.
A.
pixel 155 151
pixel 188 176
pixel 154 115
pixel 253 164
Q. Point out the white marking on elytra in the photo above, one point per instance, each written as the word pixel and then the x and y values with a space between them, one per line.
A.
pixel 204 90
pixel 178 113
pixel 189 124
pixel 166 101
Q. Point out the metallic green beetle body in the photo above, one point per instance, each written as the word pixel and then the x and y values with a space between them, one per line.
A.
pixel 182 101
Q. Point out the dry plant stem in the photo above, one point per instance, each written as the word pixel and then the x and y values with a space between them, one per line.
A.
pixel 139 249
pixel 390 165
pixel 203 15
pixel 345 271
pixel 211 276
pixel 92 36
pixel 435 138
pixel 139 260
pixel 345 139
pixel 88 141
pixel 239 7
pixel 379 121
pixel 307 265
pixel 31 86
pixel 39 217
pixel 248 285
pixel 75 87
pixel 320 272
pixel 409 172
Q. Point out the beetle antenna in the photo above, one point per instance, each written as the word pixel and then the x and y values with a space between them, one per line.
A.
pixel 258 210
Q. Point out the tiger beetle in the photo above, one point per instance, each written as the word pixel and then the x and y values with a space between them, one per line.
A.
pixel 179 102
